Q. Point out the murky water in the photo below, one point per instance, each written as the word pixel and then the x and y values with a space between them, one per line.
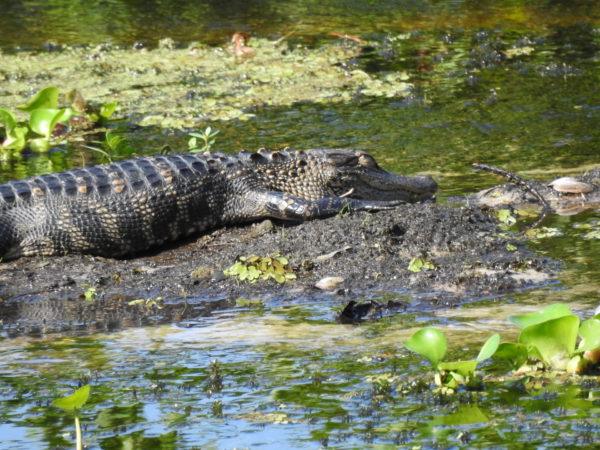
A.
pixel 288 375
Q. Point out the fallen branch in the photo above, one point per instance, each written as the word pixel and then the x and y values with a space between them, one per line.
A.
pixel 523 184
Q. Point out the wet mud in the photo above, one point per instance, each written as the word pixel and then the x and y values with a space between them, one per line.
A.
pixel 371 252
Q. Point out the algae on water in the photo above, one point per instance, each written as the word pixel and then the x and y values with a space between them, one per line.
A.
pixel 178 88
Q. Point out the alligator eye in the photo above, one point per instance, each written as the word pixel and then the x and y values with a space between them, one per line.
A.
pixel 365 160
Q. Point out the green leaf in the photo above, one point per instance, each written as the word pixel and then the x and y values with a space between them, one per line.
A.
pixel 554 339
pixel 429 343
pixel 43 121
pixel 16 139
pixel 418 264
pixel 465 414
pixel 7 120
pixel 489 348
pixel 74 401
pixel 464 368
pixel 108 109
pixel 515 354
pixel 248 303
pixel 548 313
pixel 590 334
pixel 505 216
pixel 543 232
pixel 45 99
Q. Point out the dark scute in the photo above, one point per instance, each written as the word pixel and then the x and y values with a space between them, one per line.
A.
pixel 7 193
pixel 199 166
pixel 154 179
pixel 52 182
pixel 180 164
pixel 186 172
pixel 69 183
pixel 138 184
pixel 103 188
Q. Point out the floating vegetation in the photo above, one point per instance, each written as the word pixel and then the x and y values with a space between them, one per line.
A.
pixel 253 268
pixel 183 88
pixel 48 124
pixel 548 341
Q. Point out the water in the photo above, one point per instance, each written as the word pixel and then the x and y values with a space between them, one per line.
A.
pixel 288 375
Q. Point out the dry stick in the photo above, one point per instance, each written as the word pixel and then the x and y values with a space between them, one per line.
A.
pixel 513 178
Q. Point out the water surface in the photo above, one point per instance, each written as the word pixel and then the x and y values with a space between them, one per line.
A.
pixel 507 83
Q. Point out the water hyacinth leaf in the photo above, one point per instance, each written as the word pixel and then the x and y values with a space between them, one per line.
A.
pixel 45 99
pixel 489 348
pixel 43 121
pixel 429 343
pixel 553 339
pixel 7 120
pixel 551 312
pixel 590 334
pixel 464 368
pixel 74 401
pixel 16 139
pixel 515 354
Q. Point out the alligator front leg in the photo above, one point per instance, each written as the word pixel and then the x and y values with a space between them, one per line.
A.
pixel 280 205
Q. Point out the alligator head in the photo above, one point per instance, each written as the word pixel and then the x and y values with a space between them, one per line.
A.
pixel 355 174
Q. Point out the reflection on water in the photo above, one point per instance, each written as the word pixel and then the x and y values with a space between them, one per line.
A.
pixel 33 23
pixel 511 85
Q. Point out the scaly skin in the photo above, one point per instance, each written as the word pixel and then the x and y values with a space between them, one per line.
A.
pixel 126 207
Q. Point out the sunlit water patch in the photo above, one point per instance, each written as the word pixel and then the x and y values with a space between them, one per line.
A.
pixel 268 381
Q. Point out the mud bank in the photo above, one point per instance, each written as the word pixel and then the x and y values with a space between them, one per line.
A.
pixel 371 252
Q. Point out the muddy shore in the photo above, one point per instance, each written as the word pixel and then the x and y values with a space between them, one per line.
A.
pixel 369 251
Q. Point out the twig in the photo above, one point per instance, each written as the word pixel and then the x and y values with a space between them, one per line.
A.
pixel 287 35
pixel 525 185
pixel 346 36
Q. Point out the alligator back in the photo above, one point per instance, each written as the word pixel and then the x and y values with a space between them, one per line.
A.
pixel 118 208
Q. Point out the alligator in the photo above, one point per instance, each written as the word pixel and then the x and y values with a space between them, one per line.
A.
pixel 122 208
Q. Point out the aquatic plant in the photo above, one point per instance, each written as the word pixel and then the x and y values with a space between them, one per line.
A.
pixel 253 268
pixel 548 340
pixel 73 403
pixel 432 344
pixel 208 137
pixel 47 123
pixel 418 264
pixel 549 337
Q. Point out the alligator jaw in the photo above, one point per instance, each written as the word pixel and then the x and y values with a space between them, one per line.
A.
pixel 381 185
